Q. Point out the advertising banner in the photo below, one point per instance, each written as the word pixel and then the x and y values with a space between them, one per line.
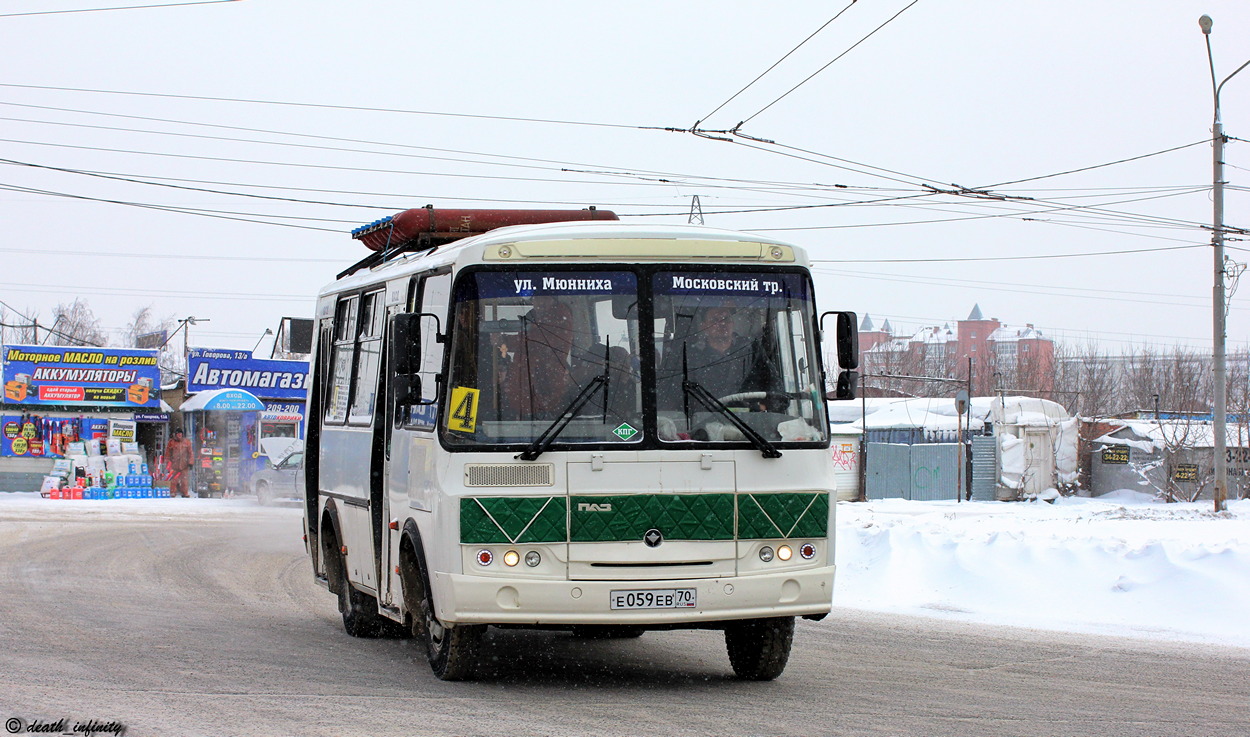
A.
pixel 81 377
pixel 30 435
pixel 227 369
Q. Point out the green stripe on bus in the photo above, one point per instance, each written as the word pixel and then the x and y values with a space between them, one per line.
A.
pixel 613 518
pixel 513 519
pixel 627 517
pixel 782 515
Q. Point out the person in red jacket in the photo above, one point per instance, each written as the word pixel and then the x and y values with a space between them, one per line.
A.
pixel 179 452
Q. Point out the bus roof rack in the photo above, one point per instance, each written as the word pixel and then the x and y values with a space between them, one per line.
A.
pixel 424 228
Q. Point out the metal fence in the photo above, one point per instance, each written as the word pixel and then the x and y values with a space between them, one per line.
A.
pixel 984 468
pixel 925 472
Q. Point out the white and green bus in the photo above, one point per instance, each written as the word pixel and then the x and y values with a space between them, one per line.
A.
pixel 585 426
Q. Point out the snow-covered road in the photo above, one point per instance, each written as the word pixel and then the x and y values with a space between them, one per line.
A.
pixel 1122 564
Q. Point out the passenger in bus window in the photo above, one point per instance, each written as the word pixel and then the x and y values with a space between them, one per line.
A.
pixel 540 378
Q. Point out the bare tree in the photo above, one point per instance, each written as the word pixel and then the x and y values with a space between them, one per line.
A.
pixel 76 324
pixel 1101 383
pixel 144 322
pixel 1143 378
pixel 18 328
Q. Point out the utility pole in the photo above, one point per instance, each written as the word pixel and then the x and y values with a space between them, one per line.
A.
pixel 1219 311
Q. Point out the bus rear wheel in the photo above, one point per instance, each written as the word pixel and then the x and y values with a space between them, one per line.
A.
pixel 759 648
pixel 358 619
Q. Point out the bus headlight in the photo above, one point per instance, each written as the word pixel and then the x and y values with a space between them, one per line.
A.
pixel 766 553
pixel 784 553
pixel 511 558
pixel 532 559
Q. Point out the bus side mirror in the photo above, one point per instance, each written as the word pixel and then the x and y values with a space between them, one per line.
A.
pixel 847 388
pixel 406 389
pixel 848 343
pixel 405 343
pixel 846 338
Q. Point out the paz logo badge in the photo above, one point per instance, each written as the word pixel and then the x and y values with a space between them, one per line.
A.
pixel 139 391
pixel 18 388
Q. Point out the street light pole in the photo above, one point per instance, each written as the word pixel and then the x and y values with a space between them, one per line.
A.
pixel 1219 311
pixel 262 337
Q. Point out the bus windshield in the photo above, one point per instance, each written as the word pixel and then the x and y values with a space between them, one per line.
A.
pixel 732 358
pixel 528 345
pixel 740 343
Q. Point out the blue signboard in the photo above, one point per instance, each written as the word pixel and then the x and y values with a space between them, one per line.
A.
pixel 229 400
pixel 503 284
pixel 228 369
pixel 43 375
pixel 722 283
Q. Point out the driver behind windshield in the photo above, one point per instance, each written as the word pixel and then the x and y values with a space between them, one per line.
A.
pixel 717 358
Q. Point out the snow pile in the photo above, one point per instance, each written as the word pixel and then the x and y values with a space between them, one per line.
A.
pixel 1011 461
pixel 1067 466
pixel 1121 564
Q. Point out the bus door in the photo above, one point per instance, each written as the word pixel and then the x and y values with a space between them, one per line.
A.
pixel 414 363
pixel 312 448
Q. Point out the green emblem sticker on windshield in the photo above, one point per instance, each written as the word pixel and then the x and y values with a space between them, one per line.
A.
pixel 624 431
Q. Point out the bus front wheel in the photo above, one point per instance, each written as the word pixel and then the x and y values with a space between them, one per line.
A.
pixel 759 648
pixel 452 651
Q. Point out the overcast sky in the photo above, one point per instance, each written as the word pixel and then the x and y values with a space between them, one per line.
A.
pixel 249 137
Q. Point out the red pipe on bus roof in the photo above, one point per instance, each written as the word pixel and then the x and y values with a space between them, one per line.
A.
pixel 442 226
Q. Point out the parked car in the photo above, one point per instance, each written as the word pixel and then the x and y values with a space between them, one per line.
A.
pixel 281 481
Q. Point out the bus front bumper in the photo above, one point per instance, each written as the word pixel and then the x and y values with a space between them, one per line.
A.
pixel 464 599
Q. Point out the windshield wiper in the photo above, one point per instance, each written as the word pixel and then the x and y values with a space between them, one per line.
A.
pixel 694 389
pixel 544 441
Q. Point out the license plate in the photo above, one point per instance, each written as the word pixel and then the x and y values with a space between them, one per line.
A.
pixel 653 599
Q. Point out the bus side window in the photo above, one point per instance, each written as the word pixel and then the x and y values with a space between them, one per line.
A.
pixel 368 358
pixel 340 380
pixel 435 291
pixel 428 296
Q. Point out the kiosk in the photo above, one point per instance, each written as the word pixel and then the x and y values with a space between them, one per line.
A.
pixel 218 423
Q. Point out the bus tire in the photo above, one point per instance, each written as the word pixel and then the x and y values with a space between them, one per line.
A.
pixel 359 610
pixel 360 617
pixel 759 648
pixel 453 651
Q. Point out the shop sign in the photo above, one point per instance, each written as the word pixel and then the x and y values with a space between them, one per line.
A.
pixel 1185 472
pixel 266 378
pixel 151 417
pixel 122 429
pixel 153 341
pixel 1115 454
pixel 81 377
pixel 35 436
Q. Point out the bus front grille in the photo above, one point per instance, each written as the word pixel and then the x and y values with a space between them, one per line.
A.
pixel 509 474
